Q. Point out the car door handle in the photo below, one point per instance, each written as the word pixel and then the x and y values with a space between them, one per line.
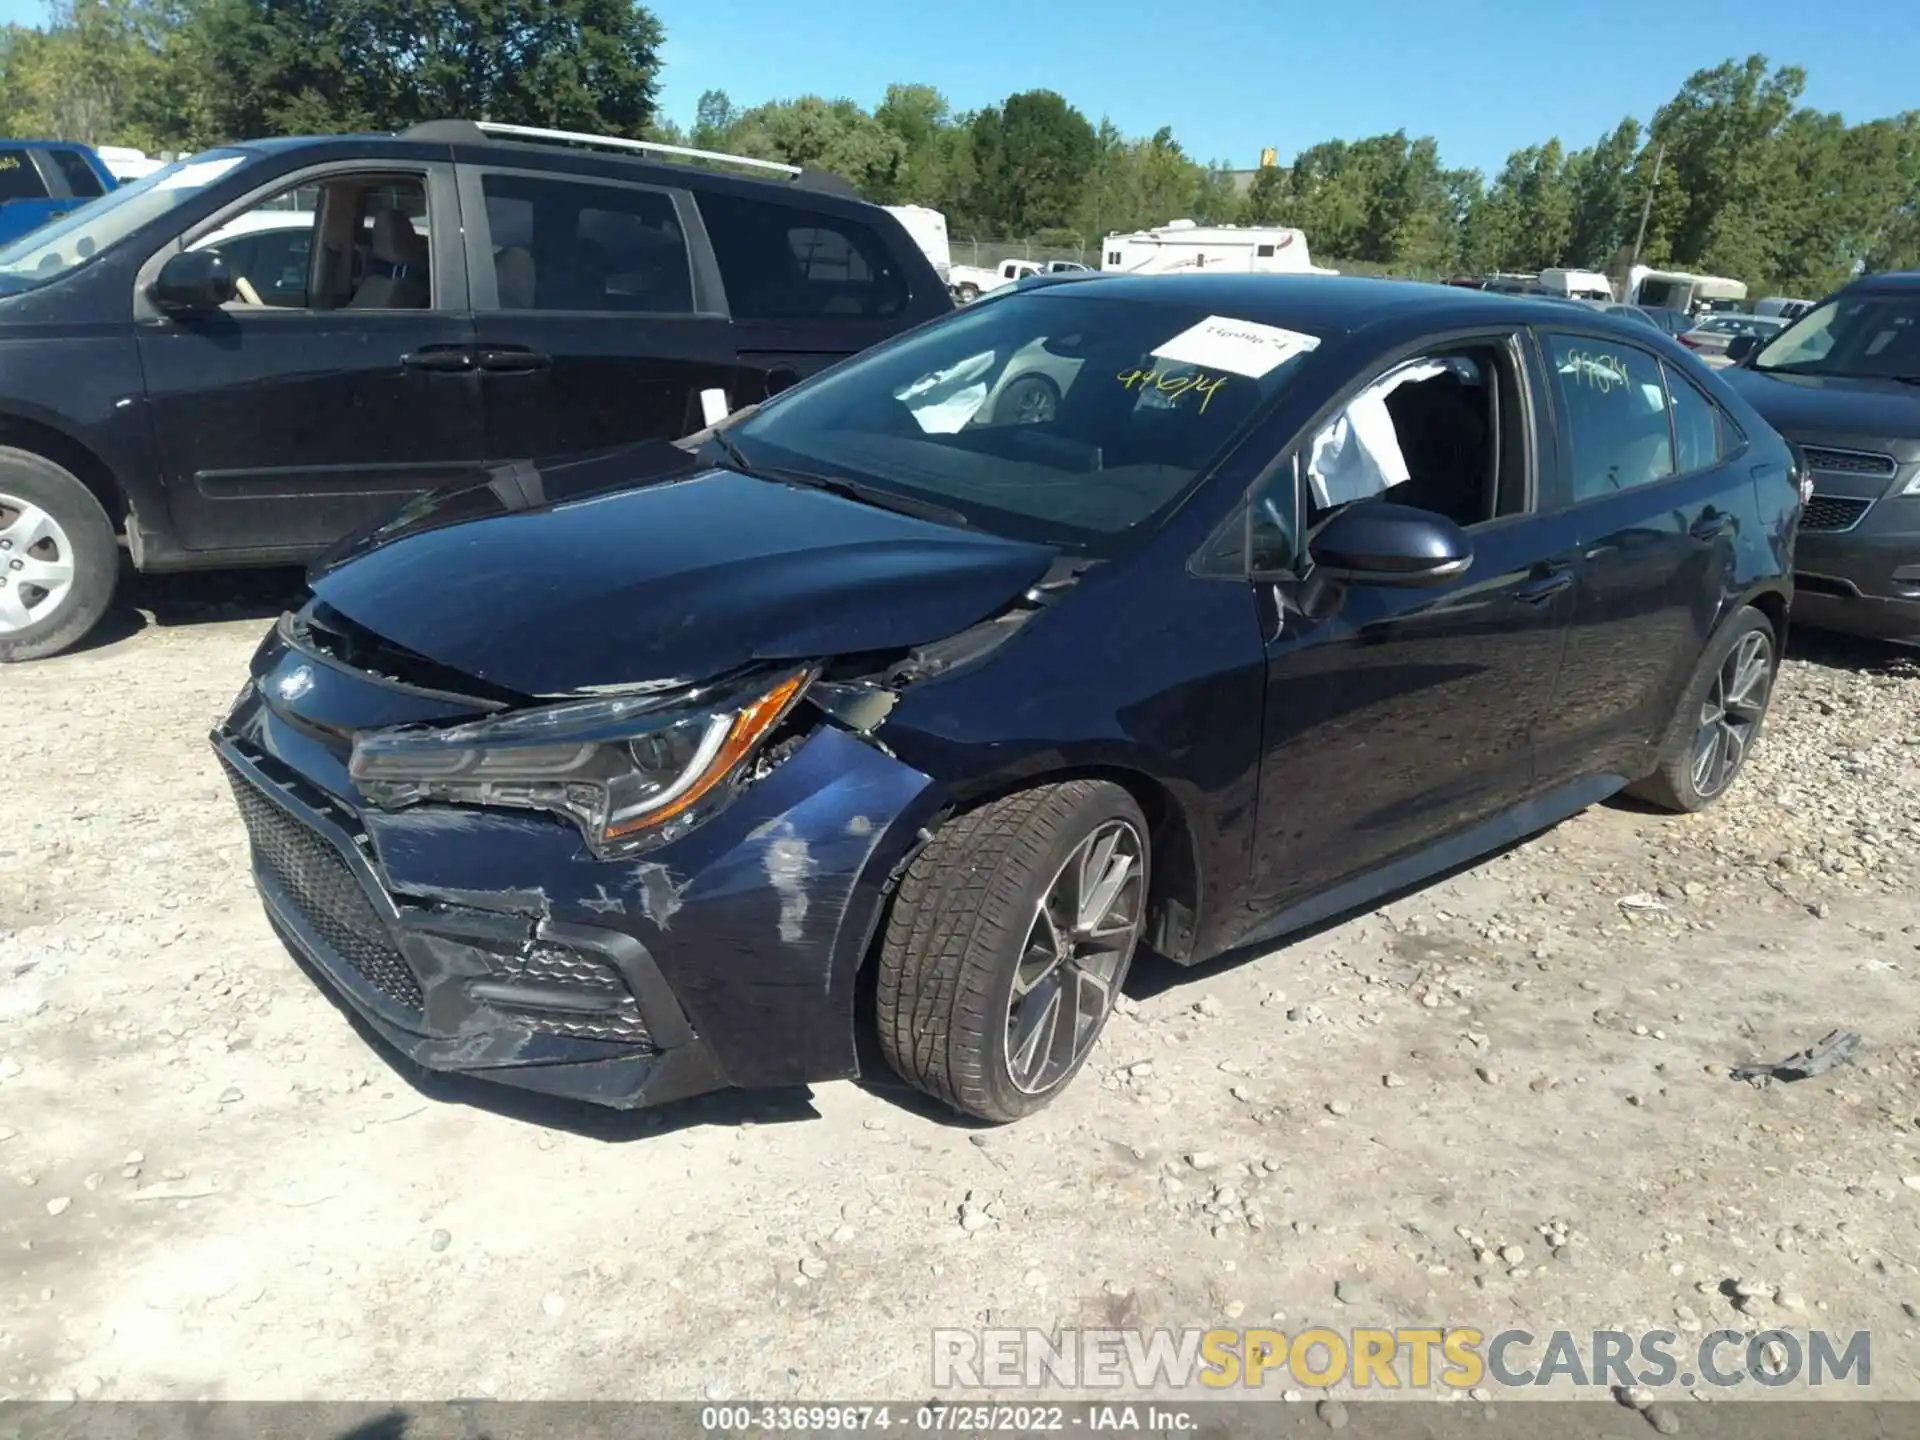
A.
pixel 440 358
pixel 502 360
pixel 1711 525
pixel 1544 585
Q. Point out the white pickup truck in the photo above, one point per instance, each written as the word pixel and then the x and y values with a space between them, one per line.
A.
pixel 969 282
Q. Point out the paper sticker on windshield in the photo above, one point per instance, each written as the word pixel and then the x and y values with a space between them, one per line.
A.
pixel 200 172
pixel 1240 347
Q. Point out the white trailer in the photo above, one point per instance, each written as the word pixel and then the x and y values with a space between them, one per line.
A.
pixel 1683 291
pixel 928 229
pixel 1577 284
pixel 1182 245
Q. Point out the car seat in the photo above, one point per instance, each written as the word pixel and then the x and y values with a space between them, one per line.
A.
pixel 397 277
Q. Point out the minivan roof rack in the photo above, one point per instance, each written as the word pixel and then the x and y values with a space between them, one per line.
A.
pixel 472 131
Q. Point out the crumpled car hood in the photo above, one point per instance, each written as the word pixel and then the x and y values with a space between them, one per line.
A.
pixel 677 579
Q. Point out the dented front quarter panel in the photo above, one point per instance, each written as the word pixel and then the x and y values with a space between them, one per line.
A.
pixel 758 919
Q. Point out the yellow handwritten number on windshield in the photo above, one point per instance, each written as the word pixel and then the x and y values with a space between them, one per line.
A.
pixel 1174 386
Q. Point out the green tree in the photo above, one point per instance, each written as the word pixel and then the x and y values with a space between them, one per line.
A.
pixel 834 135
pixel 315 65
pixel 1032 153
pixel 713 119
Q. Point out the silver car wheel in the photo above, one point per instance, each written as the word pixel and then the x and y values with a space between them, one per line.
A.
pixel 36 564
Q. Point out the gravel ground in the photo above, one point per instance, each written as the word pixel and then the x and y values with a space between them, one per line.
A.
pixel 1499 1101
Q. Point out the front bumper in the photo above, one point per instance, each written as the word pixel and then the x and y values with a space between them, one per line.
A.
pixel 493 943
pixel 1857 569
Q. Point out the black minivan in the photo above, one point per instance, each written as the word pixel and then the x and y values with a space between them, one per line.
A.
pixel 241 358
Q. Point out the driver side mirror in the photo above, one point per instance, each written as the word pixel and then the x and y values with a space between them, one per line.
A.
pixel 193 280
pixel 1378 543
pixel 1741 346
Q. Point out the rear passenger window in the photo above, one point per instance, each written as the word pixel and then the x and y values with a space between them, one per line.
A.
pixel 1696 425
pixel 569 245
pixel 1616 413
pixel 18 179
pixel 780 262
pixel 78 174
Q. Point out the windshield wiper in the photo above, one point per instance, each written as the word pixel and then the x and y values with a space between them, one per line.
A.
pixel 873 495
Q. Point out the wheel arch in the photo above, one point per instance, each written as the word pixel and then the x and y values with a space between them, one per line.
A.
pixel 1174 896
pixel 22 432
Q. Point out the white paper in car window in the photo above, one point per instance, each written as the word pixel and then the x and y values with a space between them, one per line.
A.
pixel 201 172
pixel 1240 347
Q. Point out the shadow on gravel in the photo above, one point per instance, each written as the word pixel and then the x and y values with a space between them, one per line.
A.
pixel 1849 652
pixel 194 598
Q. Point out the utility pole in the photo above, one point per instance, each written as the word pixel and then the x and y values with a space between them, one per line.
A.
pixel 1647 208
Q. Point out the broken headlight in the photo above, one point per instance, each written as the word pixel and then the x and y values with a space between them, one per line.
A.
pixel 630 771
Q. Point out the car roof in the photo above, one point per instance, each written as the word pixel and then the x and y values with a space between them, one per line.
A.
pixel 1898 280
pixel 1330 304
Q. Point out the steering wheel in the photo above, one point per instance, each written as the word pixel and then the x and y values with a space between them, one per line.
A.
pixel 243 287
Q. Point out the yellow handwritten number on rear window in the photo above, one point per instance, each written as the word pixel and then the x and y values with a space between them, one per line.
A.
pixel 1174 386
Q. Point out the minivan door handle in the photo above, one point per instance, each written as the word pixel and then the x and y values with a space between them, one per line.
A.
pixel 508 360
pixel 1711 525
pixel 1546 582
pixel 439 358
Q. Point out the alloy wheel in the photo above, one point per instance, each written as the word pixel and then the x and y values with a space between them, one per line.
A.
pixel 1735 704
pixel 36 564
pixel 1076 951
pixel 1029 401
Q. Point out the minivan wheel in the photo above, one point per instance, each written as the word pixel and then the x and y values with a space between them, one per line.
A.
pixel 1719 719
pixel 58 559
pixel 1007 945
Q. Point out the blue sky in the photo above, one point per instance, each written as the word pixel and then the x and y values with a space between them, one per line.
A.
pixel 1483 76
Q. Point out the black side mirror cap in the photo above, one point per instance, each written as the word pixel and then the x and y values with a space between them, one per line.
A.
pixel 1741 346
pixel 1377 543
pixel 193 280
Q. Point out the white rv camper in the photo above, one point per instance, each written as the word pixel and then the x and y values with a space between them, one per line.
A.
pixel 927 229
pixel 1678 290
pixel 1577 284
pixel 1182 246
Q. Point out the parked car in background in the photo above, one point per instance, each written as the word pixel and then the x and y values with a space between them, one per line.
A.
pixel 40 179
pixel 125 163
pixel 1633 314
pixel 1843 382
pixel 247 354
pixel 1710 334
pixel 1782 307
pixel 622 779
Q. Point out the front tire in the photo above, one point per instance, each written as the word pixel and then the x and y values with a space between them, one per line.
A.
pixel 1008 942
pixel 59 563
pixel 1719 719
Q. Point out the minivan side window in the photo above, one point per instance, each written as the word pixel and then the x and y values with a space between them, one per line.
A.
pixel 19 180
pixel 1696 425
pixel 78 174
pixel 779 262
pixel 576 245
pixel 1615 406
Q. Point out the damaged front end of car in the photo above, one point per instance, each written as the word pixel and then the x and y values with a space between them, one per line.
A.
pixel 625 894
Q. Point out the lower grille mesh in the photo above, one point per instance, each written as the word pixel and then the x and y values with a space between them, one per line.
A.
pixel 1829 512
pixel 325 891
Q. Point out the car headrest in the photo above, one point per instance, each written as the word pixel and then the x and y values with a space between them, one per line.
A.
pixel 395 241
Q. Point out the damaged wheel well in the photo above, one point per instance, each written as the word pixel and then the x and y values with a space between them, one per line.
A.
pixel 1173 900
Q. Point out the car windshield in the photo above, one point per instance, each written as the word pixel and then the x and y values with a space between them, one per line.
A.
pixel 64 245
pixel 1055 414
pixel 1865 336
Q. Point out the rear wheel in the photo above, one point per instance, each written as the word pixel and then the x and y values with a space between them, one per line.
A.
pixel 1719 719
pixel 969 294
pixel 59 563
pixel 1007 945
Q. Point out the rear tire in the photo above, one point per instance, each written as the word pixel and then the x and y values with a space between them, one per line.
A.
pixel 969 294
pixel 972 963
pixel 1719 718
pixel 59 562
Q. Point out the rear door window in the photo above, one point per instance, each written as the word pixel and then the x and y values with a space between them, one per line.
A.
pixel 81 180
pixel 581 246
pixel 1696 425
pixel 780 262
pixel 1615 408
pixel 19 179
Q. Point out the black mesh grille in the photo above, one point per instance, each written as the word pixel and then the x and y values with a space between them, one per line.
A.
pixel 1830 512
pixel 1848 462
pixel 549 965
pixel 327 894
